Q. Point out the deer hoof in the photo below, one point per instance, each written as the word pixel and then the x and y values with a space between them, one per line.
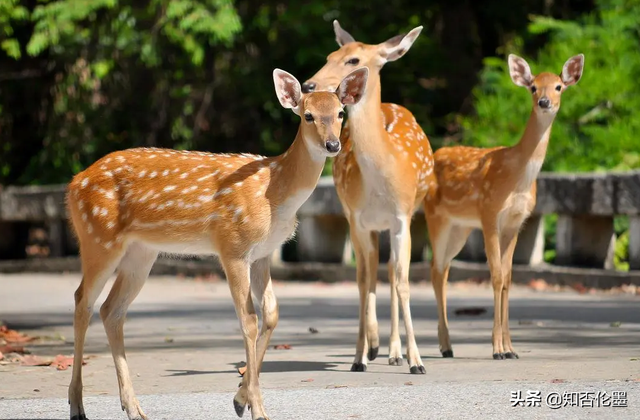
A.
pixel 395 361
pixel 418 369
pixel 498 356
pixel 511 355
pixel 447 353
pixel 358 367
pixel 239 407
pixel 373 353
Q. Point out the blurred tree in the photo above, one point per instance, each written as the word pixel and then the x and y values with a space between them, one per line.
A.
pixel 598 124
pixel 79 79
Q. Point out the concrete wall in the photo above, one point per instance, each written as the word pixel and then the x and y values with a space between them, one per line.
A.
pixel 586 205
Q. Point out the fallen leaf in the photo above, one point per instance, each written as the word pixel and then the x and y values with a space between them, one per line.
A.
pixel 313 330
pixel 307 380
pixel 13 349
pixel 525 322
pixel 408 383
pixel 242 370
pixel 36 390
pixel 62 362
pixel 13 336
pixel 558 381
pixel 538 285
pixel 633 359
pixel 168 340
pixel 282 347
pixel 31 360
pixel 470 311
pixel 335 386
pixel 615 324
pixel 579 287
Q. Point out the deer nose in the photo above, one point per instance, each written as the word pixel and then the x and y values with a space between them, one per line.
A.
pixel 544 103
pixel 308 87
pixel 333 146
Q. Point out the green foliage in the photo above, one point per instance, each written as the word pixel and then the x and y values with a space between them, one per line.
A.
pixel 621 252
pixel 11 11
pixel 102 52
pixel 79 79
pixel 597 125
pixel 550 226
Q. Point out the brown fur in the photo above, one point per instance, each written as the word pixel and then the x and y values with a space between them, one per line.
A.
pixel 493 189
pixel 387 156
pixel 132 204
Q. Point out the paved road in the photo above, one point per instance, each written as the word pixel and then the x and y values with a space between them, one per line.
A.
pixel 184 343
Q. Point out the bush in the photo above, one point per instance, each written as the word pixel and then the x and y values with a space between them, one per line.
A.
pixel 597 125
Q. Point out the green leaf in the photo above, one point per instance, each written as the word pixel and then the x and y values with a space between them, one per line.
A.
pixel 11 47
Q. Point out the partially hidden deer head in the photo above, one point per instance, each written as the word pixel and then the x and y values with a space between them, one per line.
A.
pixel 353 54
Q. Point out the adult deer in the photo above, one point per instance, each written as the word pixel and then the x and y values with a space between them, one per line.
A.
pixel 493 189
pixel 383 173
pixel 132 204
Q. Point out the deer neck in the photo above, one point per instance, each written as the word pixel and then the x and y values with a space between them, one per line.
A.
pixel 295 174
pixel 366 127
pixel 527 156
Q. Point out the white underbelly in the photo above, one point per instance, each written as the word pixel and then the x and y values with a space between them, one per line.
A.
pixel 376 213
pixel 280 233
pixel 469 222
pixel 197 247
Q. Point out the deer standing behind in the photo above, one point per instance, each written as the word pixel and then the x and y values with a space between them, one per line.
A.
pixel 132 204
pixel 493 189
pixel 382 175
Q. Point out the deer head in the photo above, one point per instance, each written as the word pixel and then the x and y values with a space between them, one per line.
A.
pixel 546 88
pixel 353 54
pixel 322 112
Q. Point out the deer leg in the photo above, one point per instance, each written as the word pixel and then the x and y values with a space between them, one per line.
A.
pixel 363 251
pixel 238 277
pixel 96 272
pixel 132 274
pixel 395 345
pixel 447 241
pixel 373 337
pixel 508 245
pixel 262 289
pixel 401 257
pixel 494 260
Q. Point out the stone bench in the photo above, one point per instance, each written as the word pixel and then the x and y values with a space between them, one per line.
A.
pixel 586 205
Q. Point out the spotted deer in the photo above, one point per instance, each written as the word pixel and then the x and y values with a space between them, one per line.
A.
pixel 493 189
pixel 382 175
pixel 132 204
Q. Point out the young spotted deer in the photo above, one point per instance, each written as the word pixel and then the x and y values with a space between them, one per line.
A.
pixel 493 189
pixel 382 175
pixel 132 204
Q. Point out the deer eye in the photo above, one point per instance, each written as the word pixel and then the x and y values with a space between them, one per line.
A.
pixel 533 89
pixel 558 88
pixel 353 61
pixel 308 117
pixel 341 114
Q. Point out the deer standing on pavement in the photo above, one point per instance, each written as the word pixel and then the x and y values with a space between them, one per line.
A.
pixel 132 204
pixel 493 189
pixel 382 175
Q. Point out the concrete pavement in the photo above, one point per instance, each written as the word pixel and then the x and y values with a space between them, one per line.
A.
pixel 184 342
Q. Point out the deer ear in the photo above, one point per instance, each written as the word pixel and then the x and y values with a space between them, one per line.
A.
pixel 342 36
pixel 352 87
pixel 572 70
pixel 288 90
pixel 520 71
pixel 396 47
